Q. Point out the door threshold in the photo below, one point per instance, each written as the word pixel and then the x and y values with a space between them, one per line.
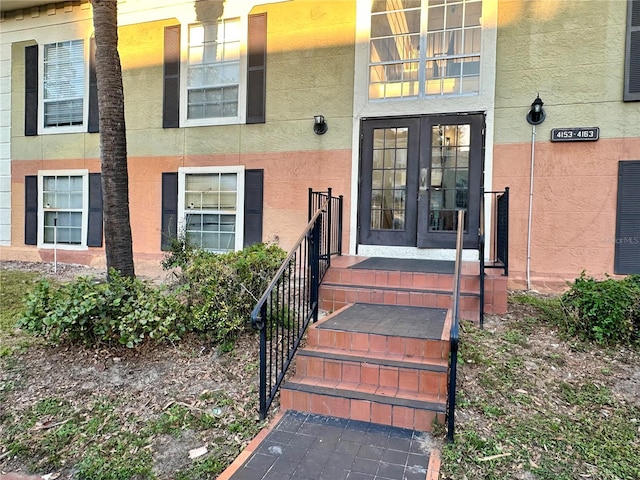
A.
pixel 468 255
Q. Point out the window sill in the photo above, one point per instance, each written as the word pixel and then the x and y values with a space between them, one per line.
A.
pixel 62 246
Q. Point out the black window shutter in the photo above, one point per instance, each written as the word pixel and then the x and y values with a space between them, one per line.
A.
pixel 94 230
pixel 256 68
pixel 94 119
pixel 31 90
pixel 253 195
pixel 171 96
pixel 31 210
pixel 627 250
pixel 169 209
pixel 632 60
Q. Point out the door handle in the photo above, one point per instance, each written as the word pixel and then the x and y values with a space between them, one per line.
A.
pixel 424 177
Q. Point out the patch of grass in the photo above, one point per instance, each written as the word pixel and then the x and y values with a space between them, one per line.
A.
pixel 209 467
pixel 178 418
pixel 585 394
pixel 119 458
pixel 549 307
pixel 515 337
pixel 13 286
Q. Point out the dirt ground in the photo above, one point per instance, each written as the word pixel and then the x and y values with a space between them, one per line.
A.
pixel 147 381
pixel 151 379
pixel 552 360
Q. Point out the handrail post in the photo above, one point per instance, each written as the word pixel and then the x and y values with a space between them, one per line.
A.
pixel 310 205
pixel 263 362
pixel 506 234
pixel 453 338
pixel 314 261
pixel 481 245
pixel 329 230
pixel 340 217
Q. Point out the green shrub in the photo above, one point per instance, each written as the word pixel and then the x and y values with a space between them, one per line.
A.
pixel 181 253
pixel 124 310
pixel 605 311
pixel 222 289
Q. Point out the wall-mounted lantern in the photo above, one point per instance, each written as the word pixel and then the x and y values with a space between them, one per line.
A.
pixel 320 127
pixel 536 115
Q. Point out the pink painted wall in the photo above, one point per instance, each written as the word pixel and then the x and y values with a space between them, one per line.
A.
pixel 287 177
pixel 574 207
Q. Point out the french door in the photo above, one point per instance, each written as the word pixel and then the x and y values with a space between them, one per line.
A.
pixel 415 174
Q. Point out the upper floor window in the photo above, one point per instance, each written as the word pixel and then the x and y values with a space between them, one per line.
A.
pixel 213 71
pixel 420 48
pixel 63 84
pixel 632 58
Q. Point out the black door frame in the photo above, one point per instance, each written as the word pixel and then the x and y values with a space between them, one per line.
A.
pixel 422 144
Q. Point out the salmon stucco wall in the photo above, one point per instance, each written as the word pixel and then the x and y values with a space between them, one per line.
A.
pixel 571 53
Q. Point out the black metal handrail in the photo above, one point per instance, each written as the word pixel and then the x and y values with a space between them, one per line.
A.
pixel 332 229
pixel 454 335
pixel 499 249
pixel 290 302
pixel 499 254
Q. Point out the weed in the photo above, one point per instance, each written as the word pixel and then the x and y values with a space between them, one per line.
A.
pixel 209 467
pixel 515 337
pixel 585 394
pixel 118 458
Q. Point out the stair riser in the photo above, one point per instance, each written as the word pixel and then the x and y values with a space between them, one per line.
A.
pixel 363 410
pixel 407 379
pixel 415 280
pixel 367 342
pixel 334 297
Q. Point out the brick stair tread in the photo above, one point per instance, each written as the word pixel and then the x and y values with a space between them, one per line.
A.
pixel 354 391
pixel 383 359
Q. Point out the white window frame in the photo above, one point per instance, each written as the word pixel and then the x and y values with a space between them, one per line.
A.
pixel 42 129
pixel 85 208
pixel 242 84
pixel 239 213
pixel 422 60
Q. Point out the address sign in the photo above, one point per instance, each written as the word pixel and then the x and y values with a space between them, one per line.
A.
pixel 580 134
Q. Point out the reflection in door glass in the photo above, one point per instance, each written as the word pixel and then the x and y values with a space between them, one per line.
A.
pixel 389 178
pixel 449 182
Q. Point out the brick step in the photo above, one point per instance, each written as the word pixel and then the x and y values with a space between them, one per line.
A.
pixel 334 296
pixel 359 343
pixel 412 374
pixel 399 279
pixel 381 405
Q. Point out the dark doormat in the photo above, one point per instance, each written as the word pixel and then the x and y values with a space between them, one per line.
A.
pixel 406 265
pixel 394 320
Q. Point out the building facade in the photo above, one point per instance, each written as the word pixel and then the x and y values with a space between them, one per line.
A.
pixel 425 102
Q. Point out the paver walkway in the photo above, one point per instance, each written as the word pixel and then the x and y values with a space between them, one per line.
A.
pixel 305 446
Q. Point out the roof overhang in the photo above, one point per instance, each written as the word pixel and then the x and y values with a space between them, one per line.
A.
pixel 9 5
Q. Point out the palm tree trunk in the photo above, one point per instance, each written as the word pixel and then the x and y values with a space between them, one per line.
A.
pixel 113 140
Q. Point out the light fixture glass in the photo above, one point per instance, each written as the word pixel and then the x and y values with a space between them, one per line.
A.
pixel 320 127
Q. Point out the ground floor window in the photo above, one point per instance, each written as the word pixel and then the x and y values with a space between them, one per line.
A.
pixel 627 239
pixel 63 205
pixel 210 207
